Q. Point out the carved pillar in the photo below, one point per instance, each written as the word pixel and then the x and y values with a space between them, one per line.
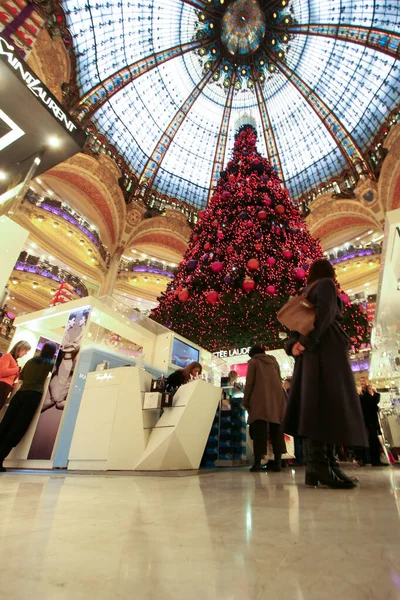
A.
pixel 109 282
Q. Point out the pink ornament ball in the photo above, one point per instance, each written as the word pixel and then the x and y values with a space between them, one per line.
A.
pixel 249 224
pixel 230 249
pixel 215 223
pixel 267 201
pixel 253 264
pixel 220 235
pixel 271 261
pixel 212 297
pixel 262 215
pixel 280 209
pixel 183 296
pixel 299 273
pixel 287 253
pixel 207 246
pixel 271 289
pixel 226 196
pixel 344 298
pixel 248 284
pixel 216 267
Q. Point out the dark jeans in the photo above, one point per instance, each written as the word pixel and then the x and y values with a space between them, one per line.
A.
pixel 17 420
pixel 5 390
pixel 259 435
pixel 374 454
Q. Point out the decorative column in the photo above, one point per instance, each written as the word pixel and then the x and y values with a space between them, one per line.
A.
pixel 110 280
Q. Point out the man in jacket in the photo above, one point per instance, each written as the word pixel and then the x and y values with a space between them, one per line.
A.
pixel 265 401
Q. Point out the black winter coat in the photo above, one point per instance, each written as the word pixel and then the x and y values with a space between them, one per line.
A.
pixel 323 402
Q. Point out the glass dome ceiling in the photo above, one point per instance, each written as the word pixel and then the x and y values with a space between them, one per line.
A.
pixel 168 81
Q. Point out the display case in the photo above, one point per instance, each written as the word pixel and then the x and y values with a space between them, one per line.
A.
pixel 385 337
pixel 92 334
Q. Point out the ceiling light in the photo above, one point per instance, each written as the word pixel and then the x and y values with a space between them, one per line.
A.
pixel 35 285
pixel 145 278
pixel 54 142
pixel 370 231
pixel 40 218
pixel 358 265
pixel 69 233
pixel 358 239
pixel 81 242
pixel 366 284
pixel 370 263
pixel 144 255
pixel 3 176
pixel 55 225
pixel 49 192
pixel 15 281
pixel 38 180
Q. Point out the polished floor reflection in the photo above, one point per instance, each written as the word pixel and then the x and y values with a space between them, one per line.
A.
pixel 229 535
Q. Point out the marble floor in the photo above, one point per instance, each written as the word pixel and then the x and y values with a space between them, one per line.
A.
pixel 229 535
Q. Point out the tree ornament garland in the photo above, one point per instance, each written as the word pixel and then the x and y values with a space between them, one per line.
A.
pixel 250 250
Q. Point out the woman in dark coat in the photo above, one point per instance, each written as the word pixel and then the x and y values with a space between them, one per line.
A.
pixel 265 400
pixel 23 406
pixel 323 405
pixel 181 376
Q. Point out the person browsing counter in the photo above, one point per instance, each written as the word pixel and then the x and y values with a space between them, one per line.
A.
pixel 25 402
pixel 9 369
pixel 182 376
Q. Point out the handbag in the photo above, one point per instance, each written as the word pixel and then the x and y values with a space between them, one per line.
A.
pixel 298 314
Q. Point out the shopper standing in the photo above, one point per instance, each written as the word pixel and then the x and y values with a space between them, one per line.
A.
pixel 265 401
pixel 323 405
pixel 25 402
pixel 9 369
pixel 369 399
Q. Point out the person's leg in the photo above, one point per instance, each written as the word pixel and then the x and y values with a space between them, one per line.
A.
pixel 335 465
pixel 318 469
pixel 259 432
pixel 278 444
pixel 6 428
pixel 374 446
pixel 23 405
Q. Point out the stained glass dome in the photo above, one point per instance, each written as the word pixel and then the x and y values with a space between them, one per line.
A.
pixel 167 82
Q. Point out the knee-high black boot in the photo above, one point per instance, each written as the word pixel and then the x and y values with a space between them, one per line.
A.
pixel 318 469
pixel 335 465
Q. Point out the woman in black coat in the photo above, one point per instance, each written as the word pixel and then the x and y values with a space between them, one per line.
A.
pixel 323 406
pixel 24 404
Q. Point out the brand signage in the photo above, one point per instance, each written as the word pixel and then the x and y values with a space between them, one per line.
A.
pixel 232 352
pixel 34 85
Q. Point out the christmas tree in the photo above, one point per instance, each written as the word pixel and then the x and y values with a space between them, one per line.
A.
pixel 249 252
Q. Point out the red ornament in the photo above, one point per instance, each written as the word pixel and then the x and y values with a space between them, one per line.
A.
pixel 212 297
pixel 220 235
pixel 195 237
pixel 267 201
pixel 183 295
pixel 253 264
pixel 248 284
pixel 305 248
pixel 231 179
pixel 262 215
pixel 207 246
pixel 226 196
pixel 249 224
pixel 271 261
pixel 201 214
pixel 215 223
pixel 271 289
pixel 280 209
pixel 230 250
pixel 299 273
pixel 287 253
pixel 258 247
pixel 216 267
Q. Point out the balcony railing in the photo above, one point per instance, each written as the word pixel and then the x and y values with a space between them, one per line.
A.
pixel 61 209
pixel 146 265
pixel 33 264
pixel 353 252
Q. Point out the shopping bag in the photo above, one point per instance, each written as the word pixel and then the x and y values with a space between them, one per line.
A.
pixel 289 441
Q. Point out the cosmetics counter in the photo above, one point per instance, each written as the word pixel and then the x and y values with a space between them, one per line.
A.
pixel 92 413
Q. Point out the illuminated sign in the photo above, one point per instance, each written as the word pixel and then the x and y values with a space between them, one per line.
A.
pixel 232 352
pixel 34 85
pixel 104 377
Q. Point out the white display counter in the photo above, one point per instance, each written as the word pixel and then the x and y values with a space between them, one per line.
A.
pixel 114 432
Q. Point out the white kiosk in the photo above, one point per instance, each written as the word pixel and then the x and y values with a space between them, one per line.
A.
pixel 94 419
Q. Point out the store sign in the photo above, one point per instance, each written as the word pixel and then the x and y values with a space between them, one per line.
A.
pixel 34 85
pixel 10 132
pixel 232 352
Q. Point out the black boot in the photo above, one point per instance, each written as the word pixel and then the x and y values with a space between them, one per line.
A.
pixel 258 468
pixel 276 464
pixel 335 465
pixel 319 471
